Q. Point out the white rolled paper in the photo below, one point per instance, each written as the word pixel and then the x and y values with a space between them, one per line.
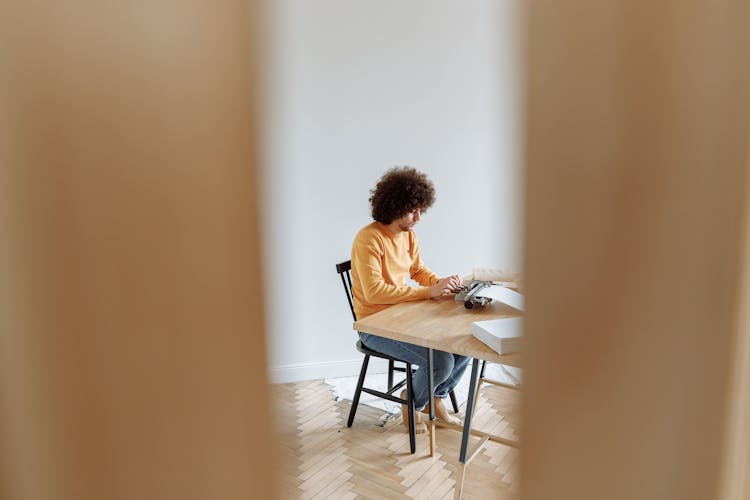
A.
pixel 494 274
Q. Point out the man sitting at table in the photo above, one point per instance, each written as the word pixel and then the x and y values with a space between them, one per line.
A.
pixel 384 254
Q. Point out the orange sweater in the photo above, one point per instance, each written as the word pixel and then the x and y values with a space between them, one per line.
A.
pixel 381 262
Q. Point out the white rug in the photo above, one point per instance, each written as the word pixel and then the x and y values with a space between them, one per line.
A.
pixel 344 388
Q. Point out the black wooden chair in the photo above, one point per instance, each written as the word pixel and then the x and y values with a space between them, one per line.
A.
pixel 344 271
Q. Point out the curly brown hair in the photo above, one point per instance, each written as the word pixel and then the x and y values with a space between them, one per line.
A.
pixel 400 191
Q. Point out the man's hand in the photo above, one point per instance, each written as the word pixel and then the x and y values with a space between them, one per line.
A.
pixel 445 286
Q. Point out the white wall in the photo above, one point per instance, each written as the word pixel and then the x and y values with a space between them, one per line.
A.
pixel 358 87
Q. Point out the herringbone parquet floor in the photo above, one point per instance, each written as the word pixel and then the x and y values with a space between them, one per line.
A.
pixel 322 458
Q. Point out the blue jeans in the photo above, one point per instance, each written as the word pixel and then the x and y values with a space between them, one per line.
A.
pixel 447 368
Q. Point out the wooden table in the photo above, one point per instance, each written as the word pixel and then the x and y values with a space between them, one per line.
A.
pixel 445 325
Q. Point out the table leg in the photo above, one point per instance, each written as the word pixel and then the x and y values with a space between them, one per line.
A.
pixel 431 390
pixel 467 429
pixel 460 472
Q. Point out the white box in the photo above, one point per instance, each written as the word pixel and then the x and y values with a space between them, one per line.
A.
pixel 503 335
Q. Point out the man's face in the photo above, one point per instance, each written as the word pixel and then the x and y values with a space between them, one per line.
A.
pixel 408 221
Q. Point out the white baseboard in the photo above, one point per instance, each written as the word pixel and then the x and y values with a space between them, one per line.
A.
pixel 326 369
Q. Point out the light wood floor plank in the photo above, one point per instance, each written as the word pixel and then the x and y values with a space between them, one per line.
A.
pixel 321 458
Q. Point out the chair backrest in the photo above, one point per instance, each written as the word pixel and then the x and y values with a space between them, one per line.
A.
pixel 344 270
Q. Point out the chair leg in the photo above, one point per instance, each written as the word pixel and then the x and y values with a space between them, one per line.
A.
pixel 453 401
pixel 410 410
pixel 484 364
pixel 358 391
pixel 390 374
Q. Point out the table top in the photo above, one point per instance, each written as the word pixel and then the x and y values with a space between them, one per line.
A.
pixel 440 324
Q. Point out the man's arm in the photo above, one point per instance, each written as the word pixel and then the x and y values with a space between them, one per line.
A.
pixel 366 261
pixel 420 273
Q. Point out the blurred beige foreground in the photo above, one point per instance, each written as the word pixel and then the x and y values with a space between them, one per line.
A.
pixel 132 348
pixel 132 344
pixel 636 250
